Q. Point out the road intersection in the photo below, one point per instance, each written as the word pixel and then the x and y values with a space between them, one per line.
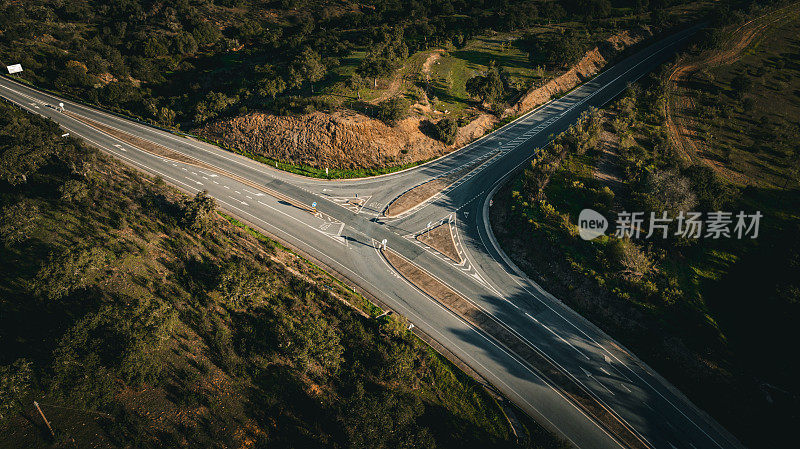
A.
pixel 342 231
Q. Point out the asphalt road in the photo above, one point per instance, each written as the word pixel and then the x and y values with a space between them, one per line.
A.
pixel 344 237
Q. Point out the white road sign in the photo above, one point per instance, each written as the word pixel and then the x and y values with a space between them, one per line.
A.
pixel 16 68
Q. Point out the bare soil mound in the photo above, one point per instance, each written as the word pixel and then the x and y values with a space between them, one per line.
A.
pixel 343 139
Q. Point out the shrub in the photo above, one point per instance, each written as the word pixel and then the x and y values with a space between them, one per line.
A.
pixel 445 130
pixel 197 213
pixel 15 380
pixel 391 111
pixel 18 221
pixel 633 261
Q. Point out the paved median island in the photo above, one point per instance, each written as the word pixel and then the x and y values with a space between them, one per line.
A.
pixel 422 193
pixel 441 239
pixel 554 376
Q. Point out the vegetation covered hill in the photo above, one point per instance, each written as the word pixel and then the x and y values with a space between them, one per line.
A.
pixel 712 315
pixel 139 317
pixel 193 63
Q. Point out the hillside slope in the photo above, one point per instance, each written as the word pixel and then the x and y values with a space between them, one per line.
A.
pixel 350 140
pixel 138 316
pixel 709 312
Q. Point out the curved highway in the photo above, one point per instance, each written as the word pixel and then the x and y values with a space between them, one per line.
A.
pixel 344 231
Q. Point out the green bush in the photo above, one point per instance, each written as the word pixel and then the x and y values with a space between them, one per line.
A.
pixel 197 214
pixel 392 110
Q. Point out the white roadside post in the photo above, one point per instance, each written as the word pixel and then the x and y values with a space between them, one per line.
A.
pixel 383 244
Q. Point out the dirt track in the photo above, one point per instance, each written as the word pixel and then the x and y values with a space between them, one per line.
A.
pixel 680 126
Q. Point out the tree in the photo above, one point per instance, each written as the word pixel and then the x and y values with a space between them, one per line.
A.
pixel 197 213
pixel 15 382
pixel 17 221
pixel 63 274
pixel 307 67
pixel 374 67
pixel 28 143
pixel 212 105
pixel 74 191
pixel 712 194
pixel 184 44
pixel 240 283
pixel 667 190
pixel 206 34
pixel 392 110
pixel 271 84
pixel 316 341
pixel 630 257
pixel 488 88
pixel 555 52
pixel 166 116
pixel 589 9
pixel 355 82
pixel 445 130
pixel 154 47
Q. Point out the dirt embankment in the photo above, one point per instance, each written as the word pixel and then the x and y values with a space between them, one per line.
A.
pixel 342 139
pixel 591 63
pixel 349 140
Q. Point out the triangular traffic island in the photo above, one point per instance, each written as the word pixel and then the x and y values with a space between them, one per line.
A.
pixel 416 196
pixel 441 239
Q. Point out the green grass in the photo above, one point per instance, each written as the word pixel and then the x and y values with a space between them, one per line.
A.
pixel 449 75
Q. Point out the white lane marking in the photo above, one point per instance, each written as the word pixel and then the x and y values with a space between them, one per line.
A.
pixel 511 355
pixel 238 200
pixel 337 238
pixel 590 376
pixel 557 335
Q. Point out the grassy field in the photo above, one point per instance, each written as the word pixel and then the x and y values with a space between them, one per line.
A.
pixel 753 129
pixel 450 73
